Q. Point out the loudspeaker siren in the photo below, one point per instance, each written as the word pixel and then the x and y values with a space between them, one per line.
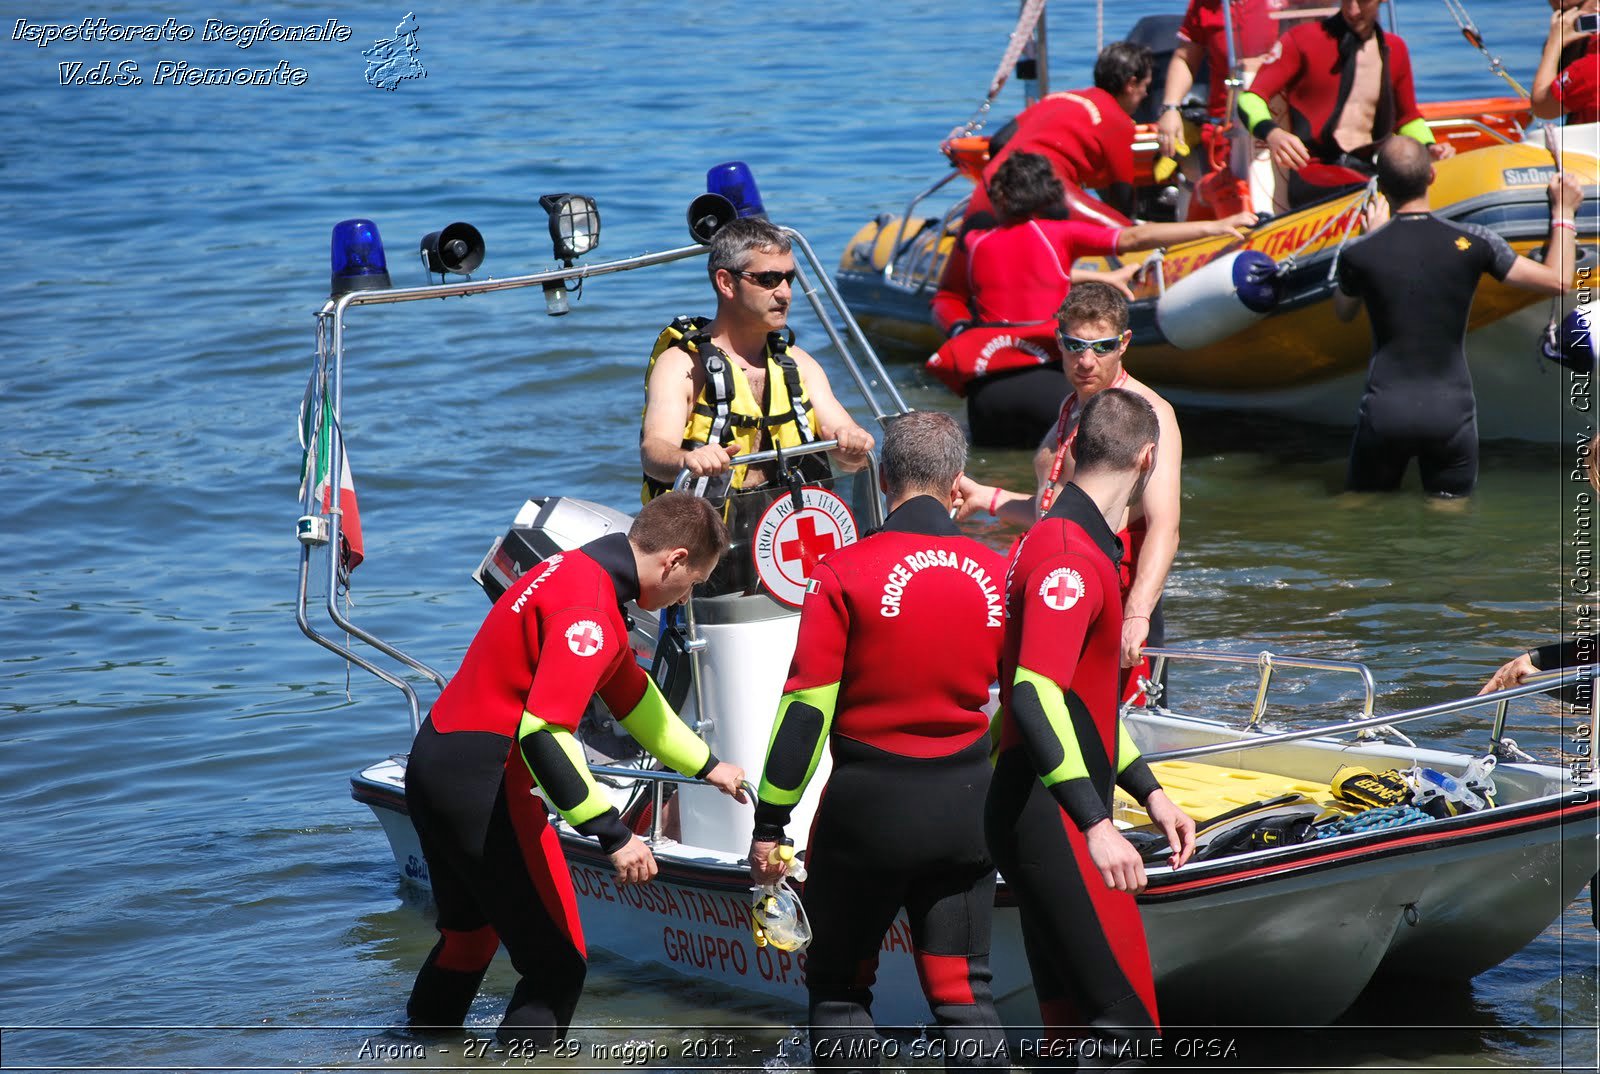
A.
pixel 707 215
pixel 457 248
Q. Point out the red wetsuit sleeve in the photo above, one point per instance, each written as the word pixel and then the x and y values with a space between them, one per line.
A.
pixel 579 649
pixel 1405 89
pixel 1053 636
pixel 824 628
pixel 953 301
pixel 1062 600
pixel 1193 28
pixel 806 710
pixel 1275 77
pixel 1076 239
pixel 1118 143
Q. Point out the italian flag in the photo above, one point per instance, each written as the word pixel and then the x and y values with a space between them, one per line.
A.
pixel 316 436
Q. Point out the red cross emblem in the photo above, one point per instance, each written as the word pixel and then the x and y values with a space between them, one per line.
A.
pixel 809 545
pixel 788 542
pixel 1062 588
pixel 585 638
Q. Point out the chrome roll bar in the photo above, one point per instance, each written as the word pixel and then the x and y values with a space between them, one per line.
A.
pixel 1532 685
pixel 865 368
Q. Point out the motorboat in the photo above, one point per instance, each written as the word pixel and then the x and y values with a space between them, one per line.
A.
pixel 1193 339
pixel 1447 897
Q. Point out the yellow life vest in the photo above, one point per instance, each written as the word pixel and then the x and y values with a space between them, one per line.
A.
pixel 727 411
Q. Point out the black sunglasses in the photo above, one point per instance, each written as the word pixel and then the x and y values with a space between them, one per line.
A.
pixel 767 281
pixel 1102 347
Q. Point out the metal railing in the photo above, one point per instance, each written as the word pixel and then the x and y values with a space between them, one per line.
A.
pixel 896 249
pixel 1267 663
pixel 659 778
pixel 1534 684
pixel 867 371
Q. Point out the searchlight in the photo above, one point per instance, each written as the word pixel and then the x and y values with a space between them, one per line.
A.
pixel 574 231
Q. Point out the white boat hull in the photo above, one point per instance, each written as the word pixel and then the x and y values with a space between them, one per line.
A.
pixel 1284 937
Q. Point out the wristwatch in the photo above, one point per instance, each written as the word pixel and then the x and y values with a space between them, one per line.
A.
pixel 1170 107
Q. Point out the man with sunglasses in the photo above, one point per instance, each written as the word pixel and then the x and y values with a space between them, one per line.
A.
pixel 1094 336
pixel 735 385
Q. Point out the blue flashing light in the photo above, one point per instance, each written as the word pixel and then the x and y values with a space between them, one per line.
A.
pixel 358 262
pixel 733 181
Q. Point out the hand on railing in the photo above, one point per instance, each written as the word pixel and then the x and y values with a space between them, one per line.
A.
pixel 686 476
pixel 728 778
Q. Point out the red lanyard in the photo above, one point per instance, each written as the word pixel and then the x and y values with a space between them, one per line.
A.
pixel 1064 439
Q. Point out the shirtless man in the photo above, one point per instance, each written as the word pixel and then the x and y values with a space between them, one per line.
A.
pixel 776 393
pixel 1094 335
pixel 1347 86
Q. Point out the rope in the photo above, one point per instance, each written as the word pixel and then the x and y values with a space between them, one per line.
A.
pixel 1031 12
pixel 1469 30
pixel 1373 820
pixel 1515 752
pixel 1288 262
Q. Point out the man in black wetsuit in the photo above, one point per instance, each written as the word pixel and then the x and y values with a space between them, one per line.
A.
pixel 1417 275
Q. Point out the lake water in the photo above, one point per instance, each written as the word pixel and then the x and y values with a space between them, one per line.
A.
pixel 181 847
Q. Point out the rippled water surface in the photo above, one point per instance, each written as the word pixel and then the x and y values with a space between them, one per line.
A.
pixel 181 849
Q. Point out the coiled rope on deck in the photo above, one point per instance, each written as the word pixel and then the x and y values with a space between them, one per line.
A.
pixel 1372 820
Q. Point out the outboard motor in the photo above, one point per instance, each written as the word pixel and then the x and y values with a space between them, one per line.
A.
pixel 1225 297
pixel 543 527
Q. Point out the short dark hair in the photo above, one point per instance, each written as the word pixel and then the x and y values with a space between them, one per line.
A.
pixel 731 245
pixel 1113 429
pixel 1023 186
pixel 923 451
pixel 1403 169
pixel 1122 62
pixel 1094 301
pixel 680 520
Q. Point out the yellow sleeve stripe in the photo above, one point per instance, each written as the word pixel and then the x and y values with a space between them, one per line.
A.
pixel 659 729
pixel 1418 128
pixel 1254 109
pixel 1041 714
pixel 560 769
pixel 800 730
pixel 1127 752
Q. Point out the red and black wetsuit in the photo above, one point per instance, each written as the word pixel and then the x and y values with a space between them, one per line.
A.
pixel 548 645
pixel 1018 274
pixel 1086 137
pixel 1314 67
pixel 899 642
pixel 1062 753
pixel 1417 275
